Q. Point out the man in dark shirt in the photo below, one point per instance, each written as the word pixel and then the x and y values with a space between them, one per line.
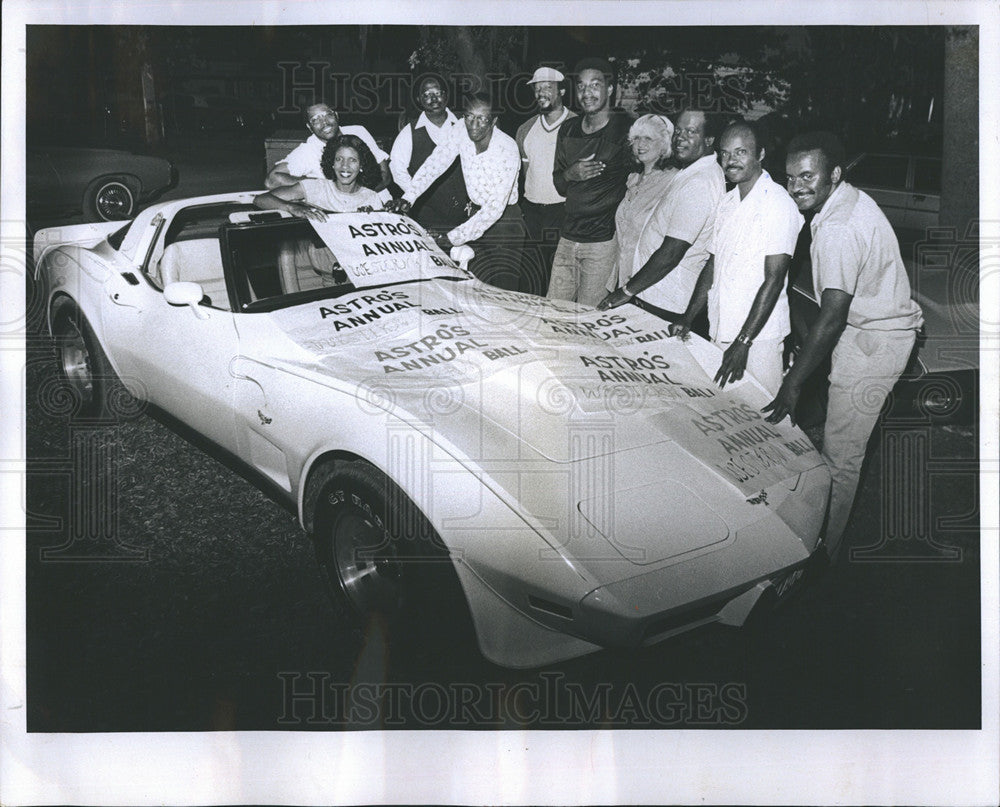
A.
pixel 592 162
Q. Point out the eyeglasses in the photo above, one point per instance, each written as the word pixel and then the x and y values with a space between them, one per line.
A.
pixel 482 120
pixel 329 115
pixel 431 94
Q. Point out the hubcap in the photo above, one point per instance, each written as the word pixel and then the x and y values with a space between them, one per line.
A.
pixel 76 362
pixel 114 201
pixel 370 572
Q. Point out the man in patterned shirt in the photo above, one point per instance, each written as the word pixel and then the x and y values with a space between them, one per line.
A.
pixel 490 164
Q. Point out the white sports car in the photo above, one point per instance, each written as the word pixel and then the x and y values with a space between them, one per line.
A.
pixel 573 475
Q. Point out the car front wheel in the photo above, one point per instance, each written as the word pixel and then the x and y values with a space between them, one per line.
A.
pixel 109 199
pixel 383 561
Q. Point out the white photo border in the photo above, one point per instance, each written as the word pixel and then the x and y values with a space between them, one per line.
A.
pixel 776 767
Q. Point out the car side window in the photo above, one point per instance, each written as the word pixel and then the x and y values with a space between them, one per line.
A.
pixel 927 175
pixel 189 249
pixel 197 260
pixel 880 171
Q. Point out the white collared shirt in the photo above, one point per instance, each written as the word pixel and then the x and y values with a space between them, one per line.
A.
pixel 766 222
pixel 490 178
pixel 855 249
pixel 402 147
pixel 304 159
pixel 687 212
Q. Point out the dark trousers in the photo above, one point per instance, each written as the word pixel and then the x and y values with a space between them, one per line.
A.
pixel 498 251
pixel 543 223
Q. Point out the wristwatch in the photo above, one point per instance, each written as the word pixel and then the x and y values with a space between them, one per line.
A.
pixel 743 339
pixel 626 291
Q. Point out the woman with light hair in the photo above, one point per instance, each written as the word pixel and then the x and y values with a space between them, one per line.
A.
pixel 650 138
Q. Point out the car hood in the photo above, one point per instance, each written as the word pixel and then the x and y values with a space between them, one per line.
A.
pixel 568 382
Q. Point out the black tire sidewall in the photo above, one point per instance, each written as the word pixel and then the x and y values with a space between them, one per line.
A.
pixel 429 586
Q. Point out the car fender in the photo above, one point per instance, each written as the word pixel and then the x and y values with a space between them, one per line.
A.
pixel 78 276
pixel 514 580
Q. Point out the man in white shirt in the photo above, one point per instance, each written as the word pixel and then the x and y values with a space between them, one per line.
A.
pixel 756 226
pixel 543 206
pixel 674 243
pixel 490 163
pixel 443 205
pixel 303 162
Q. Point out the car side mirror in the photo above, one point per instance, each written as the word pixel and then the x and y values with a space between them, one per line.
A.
pixel 184 292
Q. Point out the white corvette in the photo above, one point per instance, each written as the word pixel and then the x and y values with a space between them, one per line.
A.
pixel 573 474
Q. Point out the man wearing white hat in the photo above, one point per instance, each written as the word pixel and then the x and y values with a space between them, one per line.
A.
pixel 542 205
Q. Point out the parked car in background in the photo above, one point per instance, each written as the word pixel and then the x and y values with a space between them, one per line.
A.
pixel 105 184
pixel 188 113
pixel 568 478
pixel 907 187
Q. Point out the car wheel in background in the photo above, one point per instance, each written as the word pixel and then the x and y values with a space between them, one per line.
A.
pixel 95 393
pixel 942 397
pixel 110 199
pixel 384 563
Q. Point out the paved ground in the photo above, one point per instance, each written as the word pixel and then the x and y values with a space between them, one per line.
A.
pixel 179 597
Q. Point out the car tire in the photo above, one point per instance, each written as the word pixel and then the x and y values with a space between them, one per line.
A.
pixel 95 392
pixel 110 198
pixel 384 563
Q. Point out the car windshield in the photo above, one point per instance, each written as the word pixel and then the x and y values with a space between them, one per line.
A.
pixel 283 262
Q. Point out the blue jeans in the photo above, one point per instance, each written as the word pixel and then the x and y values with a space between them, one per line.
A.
pixel 580 272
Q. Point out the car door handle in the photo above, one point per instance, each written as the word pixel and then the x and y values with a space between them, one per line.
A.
pixel 116 298
pixel 919 197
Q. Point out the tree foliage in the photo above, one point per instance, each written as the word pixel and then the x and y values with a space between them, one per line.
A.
pixel 473 50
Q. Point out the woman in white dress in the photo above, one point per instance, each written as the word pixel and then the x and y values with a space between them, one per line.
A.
pixel 351 174
pixel 650 138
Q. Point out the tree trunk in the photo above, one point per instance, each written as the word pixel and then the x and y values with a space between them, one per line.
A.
pixel 136 114
pixel 471 59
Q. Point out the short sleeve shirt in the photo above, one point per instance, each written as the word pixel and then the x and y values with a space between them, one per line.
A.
pixel 686 212
pixel 746 231
pixel 304 159
pixel 643 193
pixel 324 193
pixel 854 249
